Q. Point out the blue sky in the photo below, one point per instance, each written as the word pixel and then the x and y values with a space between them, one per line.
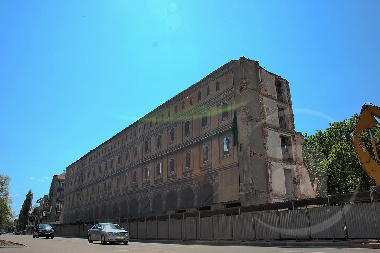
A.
pixel 75 73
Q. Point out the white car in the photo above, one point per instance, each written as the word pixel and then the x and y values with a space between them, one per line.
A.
pixel 107 232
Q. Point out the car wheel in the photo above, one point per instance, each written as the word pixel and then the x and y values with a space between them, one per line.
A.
pixel 52 236
pixel 34 236
pixel 126 243
pixel 103 240
pixel 89 239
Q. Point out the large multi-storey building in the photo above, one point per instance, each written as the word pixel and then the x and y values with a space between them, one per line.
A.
pixel 56 198
pixel 228 140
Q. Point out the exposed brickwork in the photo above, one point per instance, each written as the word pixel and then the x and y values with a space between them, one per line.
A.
pixel 220 141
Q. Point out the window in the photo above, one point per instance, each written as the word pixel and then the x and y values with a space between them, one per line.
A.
pixel 224 111
pixel 183 105
pixel 158 169
pixel 281 118
pixel 171 165
pixel 208 91
pixel 172 135
pixel 117 182
pixel 187 160
pixel 119 160
pixel 199 96
pixel 146 146
pixel 191 101
pixel 286 148
pixel 280 91
pixel 126 180
pixel 226 146
pixel 205 154
pixel 126 156
pixel 158 143
pixel 135 151
pixel 146 173
pixel 134 177
pixel 217 86
pixel 204 120
pixel 285 144
pixel 187 128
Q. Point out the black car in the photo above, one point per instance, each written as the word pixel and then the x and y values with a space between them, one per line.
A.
pixel 43 230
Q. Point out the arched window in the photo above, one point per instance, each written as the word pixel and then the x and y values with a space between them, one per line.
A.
pixel 146 173
pixel 134 177
pixel 171 165
pixel 224 111
pixel 204 120
pixel 187 160
pixel 158 169
pixel 205 153
pixel 226 146
pixel 187 128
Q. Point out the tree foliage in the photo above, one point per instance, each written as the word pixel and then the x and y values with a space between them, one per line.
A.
pixel 5 202
pixel 331 158
pixel 24 212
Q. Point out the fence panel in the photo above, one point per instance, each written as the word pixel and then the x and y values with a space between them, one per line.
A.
pixel 362 220
pixel 151 229
pixel 133 228
pixel 206 228
pixel 294 224
pixel 163 229
pixel 141 229
pixel 175 229
pixel 222 227
pixel 326 223
pixel 243 227
pixel 266 225
pixel 190 228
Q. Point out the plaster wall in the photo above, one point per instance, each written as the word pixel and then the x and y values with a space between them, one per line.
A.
pixel 274 144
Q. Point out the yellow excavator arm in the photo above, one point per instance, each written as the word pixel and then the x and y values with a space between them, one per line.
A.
pixel 366 121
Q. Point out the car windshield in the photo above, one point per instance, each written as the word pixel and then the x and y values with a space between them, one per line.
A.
pixel 112 226
pixel 44 226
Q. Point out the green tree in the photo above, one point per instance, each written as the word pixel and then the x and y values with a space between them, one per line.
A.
pixel 331 158
pixel 24 212
pixel 5 202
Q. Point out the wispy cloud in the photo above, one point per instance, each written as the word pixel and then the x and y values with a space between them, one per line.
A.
pixel 40 180
pixel 312 113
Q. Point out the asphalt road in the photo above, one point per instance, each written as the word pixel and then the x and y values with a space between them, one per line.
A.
pixel 74 245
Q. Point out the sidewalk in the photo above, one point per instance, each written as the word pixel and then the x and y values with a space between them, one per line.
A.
pixel 369 244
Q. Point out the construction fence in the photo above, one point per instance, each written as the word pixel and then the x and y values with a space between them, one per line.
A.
pixel 348 221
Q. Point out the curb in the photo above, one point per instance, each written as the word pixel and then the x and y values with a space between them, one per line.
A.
pixel 370 244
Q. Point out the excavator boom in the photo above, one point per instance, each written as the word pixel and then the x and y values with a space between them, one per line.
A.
pixel 366 121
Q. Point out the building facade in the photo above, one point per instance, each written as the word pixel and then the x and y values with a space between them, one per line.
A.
pixel 227 140
pixel 56 194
